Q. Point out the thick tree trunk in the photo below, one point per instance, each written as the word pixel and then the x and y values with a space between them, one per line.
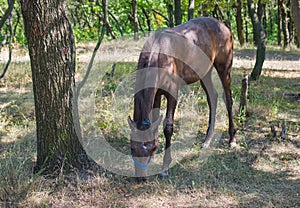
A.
pixel 261 41
pixel 135 20
pixel 52 54
pixel 191 9
pixel 295 5
pixel 177 12
pixel 239 22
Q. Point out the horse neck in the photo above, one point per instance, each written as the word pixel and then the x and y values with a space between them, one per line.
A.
pixel 143 105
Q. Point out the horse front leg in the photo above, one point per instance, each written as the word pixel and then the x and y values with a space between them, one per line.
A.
pixel 168 132
pixel 212 98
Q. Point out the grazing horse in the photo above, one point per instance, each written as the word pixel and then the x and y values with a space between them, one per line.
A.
pixel 170 59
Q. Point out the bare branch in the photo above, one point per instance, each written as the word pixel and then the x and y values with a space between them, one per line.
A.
pixel 7 12
pixel 160 14
pixel 10 47
pixel 104 27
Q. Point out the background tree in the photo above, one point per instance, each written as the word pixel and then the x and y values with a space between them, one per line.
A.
pixel 295 5
pixel 191 9
pixel 52 55
pixel 239 22
pixel 284 23
pixel 135 20
pixel 7 15
pixel 177 12
pixel 261 38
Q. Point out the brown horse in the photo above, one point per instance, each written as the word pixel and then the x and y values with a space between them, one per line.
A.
pixel 170 59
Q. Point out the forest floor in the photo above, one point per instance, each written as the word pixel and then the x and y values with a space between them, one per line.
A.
pixel 263 171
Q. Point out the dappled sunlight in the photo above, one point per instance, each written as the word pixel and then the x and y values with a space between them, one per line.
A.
pixel 261 171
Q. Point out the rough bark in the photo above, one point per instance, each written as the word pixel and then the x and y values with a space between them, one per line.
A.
pixel 261 38
pixel 295 5
pixel 52 55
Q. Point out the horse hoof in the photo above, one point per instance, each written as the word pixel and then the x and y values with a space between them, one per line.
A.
pixel 164 175
pixel 205 145
pixel 141 179
pixel 233 145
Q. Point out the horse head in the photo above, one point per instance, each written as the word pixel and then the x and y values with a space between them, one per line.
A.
pixel 143 143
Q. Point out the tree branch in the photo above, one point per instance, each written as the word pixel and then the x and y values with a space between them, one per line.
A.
pixel 10 46
pixel 104 27
pixel 7 12
pixel 160 14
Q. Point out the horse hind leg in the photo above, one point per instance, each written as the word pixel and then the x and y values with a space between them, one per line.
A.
pixel 224 74
pixel 212 98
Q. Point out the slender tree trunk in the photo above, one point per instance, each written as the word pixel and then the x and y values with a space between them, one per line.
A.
pixel 177 12
pixel 284 24
pixel 279 24
pixel 191 9
pixel 135 20
pixel 289 23
pixel 148 19
pixel 239 22
pixel 171 15
pixel 246 27
pixel 295 5
pixel 52 55
pixel 261 41
pixel 204 10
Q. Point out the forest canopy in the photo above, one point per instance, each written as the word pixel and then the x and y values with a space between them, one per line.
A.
pixel 86 18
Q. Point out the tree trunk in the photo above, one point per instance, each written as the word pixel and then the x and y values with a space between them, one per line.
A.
pixel 239 22
pixel 135 20
pixel 148 19
pixel 171 15
pixel 177 12
pixel 279 24
pixel 261 41
pixel 52 54
pixel 191 9
pixel 243 98
pixel 295 5
pixel 284 24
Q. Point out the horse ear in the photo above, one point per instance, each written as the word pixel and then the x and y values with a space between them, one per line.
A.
pixel 157 122
pixel 131 123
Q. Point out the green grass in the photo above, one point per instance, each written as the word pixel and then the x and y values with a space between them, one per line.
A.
pixel 262 172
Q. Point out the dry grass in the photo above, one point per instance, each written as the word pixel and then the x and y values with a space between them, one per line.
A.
pixel 262 172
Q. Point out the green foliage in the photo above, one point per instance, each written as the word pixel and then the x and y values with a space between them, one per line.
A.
pixel 86 17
